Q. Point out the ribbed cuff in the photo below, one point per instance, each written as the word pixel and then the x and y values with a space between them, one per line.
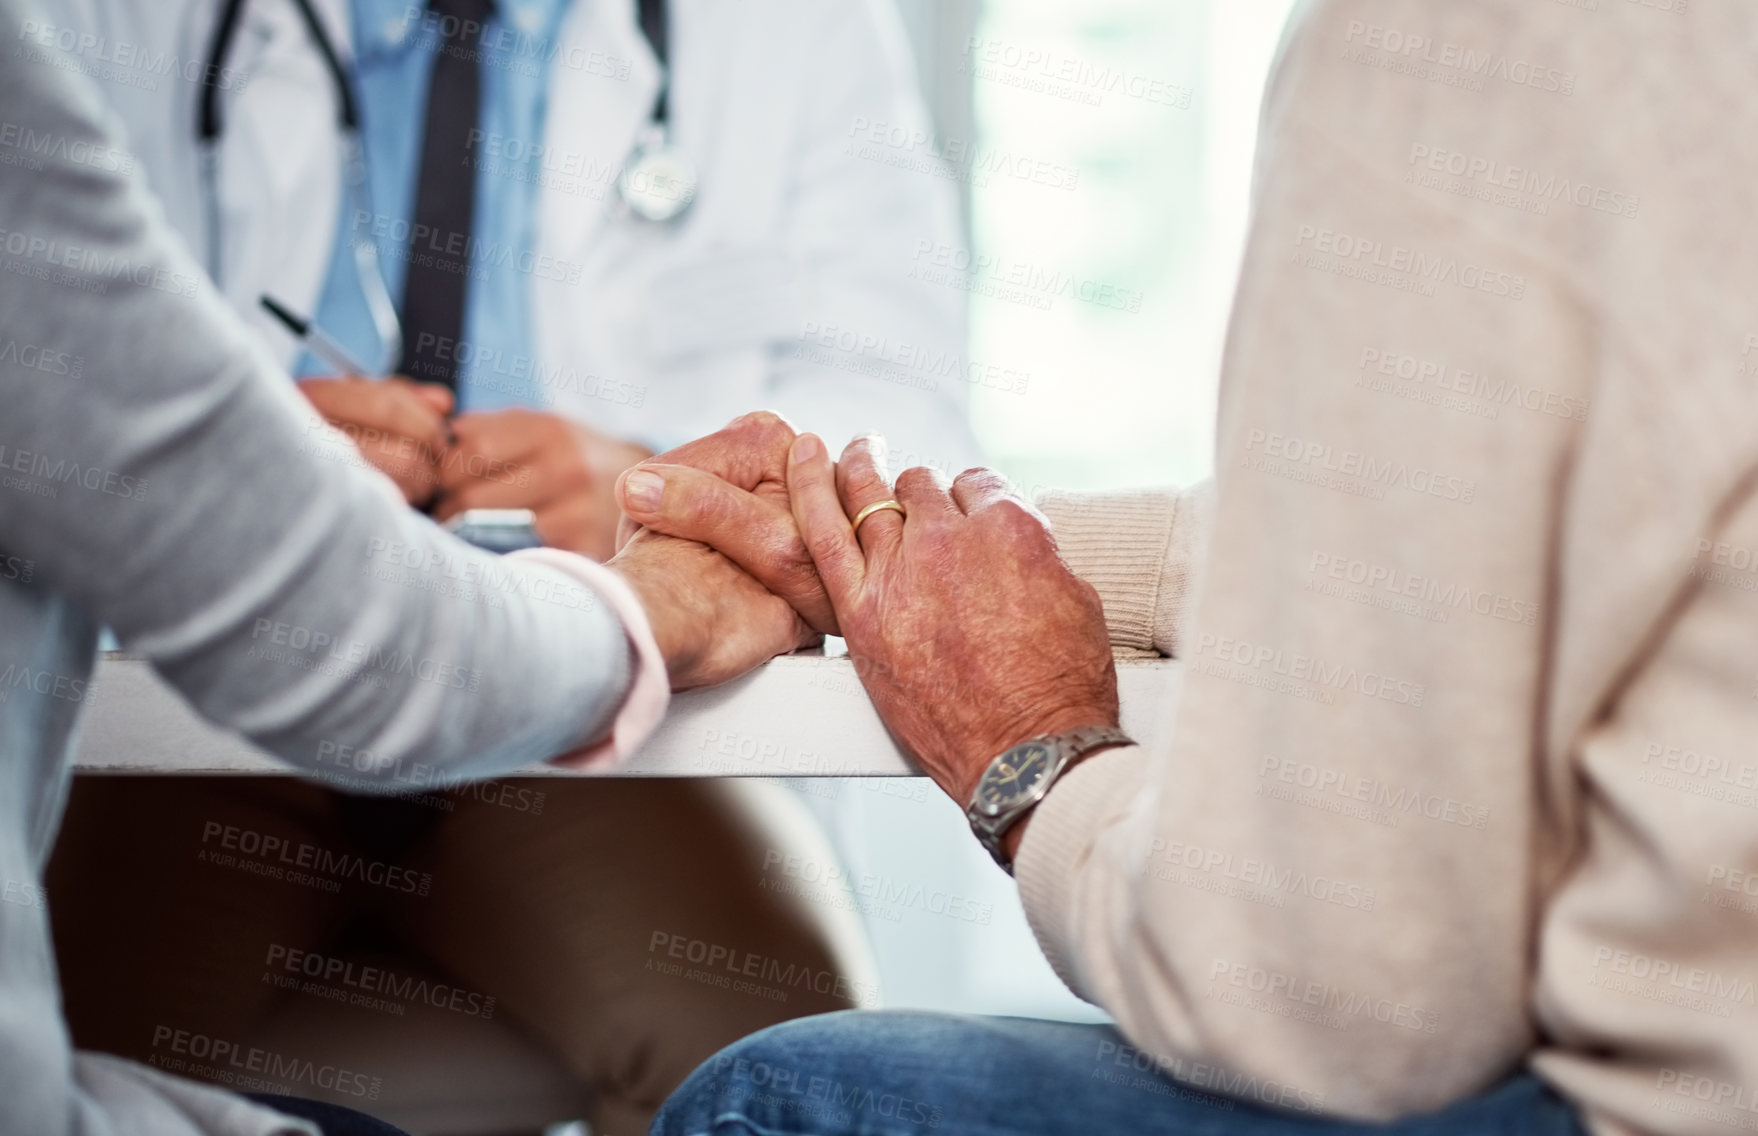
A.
pixel 1118 543
pixel 649 693
pixel 1059 840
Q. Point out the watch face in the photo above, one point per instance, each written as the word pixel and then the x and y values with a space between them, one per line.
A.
pixel 1014 777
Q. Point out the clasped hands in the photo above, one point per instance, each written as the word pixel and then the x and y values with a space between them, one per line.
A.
pixel 968 631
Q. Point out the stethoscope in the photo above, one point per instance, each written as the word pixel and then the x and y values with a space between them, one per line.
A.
pixel 208 128
pixel 658 182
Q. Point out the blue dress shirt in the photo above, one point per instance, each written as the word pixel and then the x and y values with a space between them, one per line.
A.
pixel 394 46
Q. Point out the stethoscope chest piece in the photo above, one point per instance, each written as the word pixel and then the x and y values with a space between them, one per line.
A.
pixel 658 182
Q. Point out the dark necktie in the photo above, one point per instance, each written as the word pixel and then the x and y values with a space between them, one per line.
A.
pixel 445 197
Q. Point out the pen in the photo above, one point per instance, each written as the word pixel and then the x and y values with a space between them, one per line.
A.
pixel 327 349
pixel 316 339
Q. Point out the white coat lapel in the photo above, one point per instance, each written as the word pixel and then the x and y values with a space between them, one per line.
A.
pixel 602 86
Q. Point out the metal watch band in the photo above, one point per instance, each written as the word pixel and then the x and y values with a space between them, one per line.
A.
pixel 1069 747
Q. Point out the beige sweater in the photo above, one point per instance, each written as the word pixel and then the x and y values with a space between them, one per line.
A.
pixel 1463 774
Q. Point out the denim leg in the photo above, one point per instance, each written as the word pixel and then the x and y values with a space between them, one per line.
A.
pixel 904 1073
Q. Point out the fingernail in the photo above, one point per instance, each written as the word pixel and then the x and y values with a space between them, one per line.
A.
pixel 642 491
pixel 807 448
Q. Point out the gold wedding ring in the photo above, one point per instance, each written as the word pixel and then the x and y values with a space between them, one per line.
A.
pixel 876 507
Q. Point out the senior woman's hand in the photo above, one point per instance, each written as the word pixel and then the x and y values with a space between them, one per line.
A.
pixel 729 490
pixel 711 620
pixel 967 629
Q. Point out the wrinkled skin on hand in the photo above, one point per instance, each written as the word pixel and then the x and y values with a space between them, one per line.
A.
pixel 712 621
pixel 966 627
pixel 729 490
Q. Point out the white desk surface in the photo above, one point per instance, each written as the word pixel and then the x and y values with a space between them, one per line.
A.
pixel 794 717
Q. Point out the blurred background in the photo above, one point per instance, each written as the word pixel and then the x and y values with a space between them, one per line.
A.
pixel 1140 120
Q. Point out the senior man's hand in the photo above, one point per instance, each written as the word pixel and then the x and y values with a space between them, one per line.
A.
pixel 729 490
pixel 967 629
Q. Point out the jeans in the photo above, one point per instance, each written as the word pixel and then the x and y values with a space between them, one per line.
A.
pixel 903 1073
pixel 333 1119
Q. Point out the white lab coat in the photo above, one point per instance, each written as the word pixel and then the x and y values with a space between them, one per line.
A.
pixel 799 280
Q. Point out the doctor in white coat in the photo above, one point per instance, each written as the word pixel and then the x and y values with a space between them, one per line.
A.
pixel 792 281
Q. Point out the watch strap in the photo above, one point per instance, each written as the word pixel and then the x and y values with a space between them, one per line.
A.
pixel 1069 748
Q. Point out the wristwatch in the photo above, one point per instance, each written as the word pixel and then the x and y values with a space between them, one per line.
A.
pixel 1017 780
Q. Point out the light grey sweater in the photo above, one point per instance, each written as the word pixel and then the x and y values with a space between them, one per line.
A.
pixel 1462 777
pixel 158 477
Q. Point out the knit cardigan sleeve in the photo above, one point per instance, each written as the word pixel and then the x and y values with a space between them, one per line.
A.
pixel 1141 549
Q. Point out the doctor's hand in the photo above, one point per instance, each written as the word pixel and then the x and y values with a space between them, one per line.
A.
pixel 563 471
pixel 712 621
pixel 399 426
pixel 729 490
pixel 969 632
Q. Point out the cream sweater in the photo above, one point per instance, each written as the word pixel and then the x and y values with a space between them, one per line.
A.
pixel 1462 775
